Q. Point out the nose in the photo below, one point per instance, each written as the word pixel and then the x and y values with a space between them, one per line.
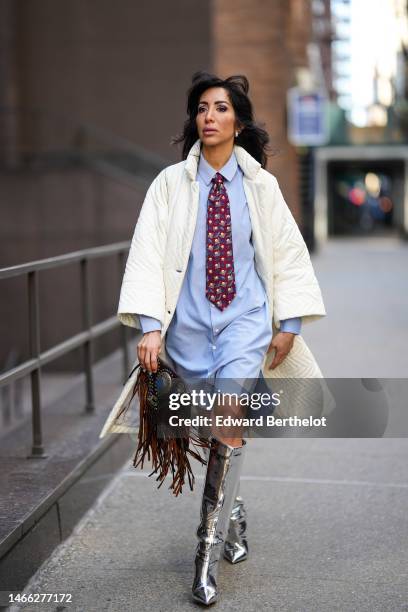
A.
pixel 208 116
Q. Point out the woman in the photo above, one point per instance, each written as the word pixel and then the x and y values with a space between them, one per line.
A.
pixel 216 263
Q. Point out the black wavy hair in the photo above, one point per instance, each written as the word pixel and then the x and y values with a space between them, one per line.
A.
pixel 253 138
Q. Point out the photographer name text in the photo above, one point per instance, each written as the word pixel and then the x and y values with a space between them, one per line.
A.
pixel 261 421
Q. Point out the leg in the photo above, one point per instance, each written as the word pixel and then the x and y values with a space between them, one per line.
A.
pixel 229 407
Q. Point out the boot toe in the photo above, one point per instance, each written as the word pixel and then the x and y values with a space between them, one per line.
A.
pixel 236 553
pixel 205 594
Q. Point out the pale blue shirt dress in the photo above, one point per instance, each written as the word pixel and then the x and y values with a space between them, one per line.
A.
pixel 203 341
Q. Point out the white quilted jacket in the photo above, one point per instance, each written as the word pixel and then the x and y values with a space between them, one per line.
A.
pixel 162 241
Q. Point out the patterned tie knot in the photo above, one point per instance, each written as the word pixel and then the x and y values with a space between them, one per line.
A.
pixel 217 179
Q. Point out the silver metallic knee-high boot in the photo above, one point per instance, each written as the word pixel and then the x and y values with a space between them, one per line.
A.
pixel 223 471
pixel 236 545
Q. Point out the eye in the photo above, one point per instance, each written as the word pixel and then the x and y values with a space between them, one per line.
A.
pixel 222 109
pixel 201 108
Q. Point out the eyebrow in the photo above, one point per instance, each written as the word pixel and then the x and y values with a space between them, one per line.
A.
pixel 217 102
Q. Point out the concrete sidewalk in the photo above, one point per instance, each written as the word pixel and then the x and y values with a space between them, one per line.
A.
pixel 327 518
pixel 364 282
pixel 327 529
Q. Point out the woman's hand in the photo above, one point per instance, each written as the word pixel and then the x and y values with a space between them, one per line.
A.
pixel 148 349
pixel 282 342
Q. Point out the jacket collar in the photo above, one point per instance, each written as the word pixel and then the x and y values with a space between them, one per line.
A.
pixel 248 164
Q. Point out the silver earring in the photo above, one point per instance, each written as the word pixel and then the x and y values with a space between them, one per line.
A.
pixel 236 134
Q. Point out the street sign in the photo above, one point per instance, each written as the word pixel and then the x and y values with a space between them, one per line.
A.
pixel 307 117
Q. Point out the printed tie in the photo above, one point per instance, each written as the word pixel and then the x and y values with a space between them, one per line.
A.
pixel 220 277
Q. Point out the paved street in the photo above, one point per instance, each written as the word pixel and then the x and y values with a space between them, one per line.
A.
pixel 327 518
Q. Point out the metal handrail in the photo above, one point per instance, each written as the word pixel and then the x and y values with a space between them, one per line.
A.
pixel 67 258
pixel 85 338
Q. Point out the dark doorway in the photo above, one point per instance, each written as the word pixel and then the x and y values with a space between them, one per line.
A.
pixel 363 196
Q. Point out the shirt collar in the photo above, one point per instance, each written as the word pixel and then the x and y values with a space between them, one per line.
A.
pixel 249 166
pixel 207 172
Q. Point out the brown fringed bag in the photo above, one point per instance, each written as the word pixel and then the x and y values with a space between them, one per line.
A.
pixel 168 446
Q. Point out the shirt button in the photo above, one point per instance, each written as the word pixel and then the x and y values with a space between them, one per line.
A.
pixel 213 346
pixel 216 330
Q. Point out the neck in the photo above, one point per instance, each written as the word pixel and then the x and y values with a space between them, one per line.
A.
pixel 217 156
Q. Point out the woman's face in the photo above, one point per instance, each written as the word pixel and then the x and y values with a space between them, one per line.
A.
pixel 216 119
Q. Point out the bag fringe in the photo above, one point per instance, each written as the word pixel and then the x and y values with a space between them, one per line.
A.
pixel 166 453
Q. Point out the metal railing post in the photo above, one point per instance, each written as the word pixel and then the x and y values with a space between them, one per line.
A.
pixel 34 347
pixel 86 319
pixel 124 328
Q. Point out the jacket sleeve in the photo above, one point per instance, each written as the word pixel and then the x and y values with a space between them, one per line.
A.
pixel 296 289
pixel 143 290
